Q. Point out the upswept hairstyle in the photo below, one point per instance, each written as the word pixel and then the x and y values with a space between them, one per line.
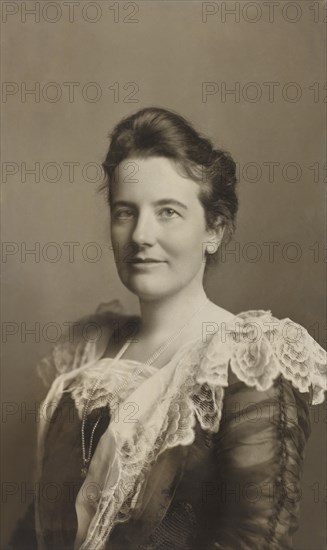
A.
pixel 157 132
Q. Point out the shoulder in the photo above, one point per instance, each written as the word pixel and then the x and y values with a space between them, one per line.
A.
pixel 256 347
pixel 85 339
pixel 217 314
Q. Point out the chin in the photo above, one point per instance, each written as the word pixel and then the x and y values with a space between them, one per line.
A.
pixel 147 293
pixel 147 290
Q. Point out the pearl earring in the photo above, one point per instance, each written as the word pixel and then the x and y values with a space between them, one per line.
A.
pixel 212 248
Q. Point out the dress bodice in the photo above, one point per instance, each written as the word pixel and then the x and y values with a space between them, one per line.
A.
pixel 208 464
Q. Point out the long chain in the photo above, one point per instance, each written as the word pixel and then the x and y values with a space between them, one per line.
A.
pixel 86 455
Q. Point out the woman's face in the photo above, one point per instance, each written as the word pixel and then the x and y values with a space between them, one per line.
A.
pixel 158 228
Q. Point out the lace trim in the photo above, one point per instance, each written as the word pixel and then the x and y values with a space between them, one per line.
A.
pixel 257 345
pixel 116 385
pixel 64 358
pixel 258 348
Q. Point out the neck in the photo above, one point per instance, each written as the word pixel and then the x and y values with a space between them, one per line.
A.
pixel 167 314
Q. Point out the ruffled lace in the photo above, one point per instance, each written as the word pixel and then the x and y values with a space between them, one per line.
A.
pixel 254 344
pixel 116 383
pixel 64 357
pixel 258 347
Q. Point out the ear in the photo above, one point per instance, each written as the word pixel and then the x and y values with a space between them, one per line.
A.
pixel 215 237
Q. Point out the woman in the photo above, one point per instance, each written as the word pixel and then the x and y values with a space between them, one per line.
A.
pixel 183 428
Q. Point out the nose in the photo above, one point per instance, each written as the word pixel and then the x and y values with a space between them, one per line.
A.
pixel 144 230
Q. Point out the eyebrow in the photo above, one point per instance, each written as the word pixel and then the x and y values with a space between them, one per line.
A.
pixel 160 202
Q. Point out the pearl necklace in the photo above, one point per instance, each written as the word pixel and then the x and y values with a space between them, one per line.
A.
pixel 86 454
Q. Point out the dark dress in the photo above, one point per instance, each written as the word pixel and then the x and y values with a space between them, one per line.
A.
pixel 236 489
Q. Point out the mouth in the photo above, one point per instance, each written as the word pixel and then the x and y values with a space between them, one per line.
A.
pixel 143 261
pixel 146 264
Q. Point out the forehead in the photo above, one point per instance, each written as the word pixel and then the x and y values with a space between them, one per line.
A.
pixel 153 178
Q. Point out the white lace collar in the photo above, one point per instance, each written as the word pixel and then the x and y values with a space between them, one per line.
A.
pixel 255 345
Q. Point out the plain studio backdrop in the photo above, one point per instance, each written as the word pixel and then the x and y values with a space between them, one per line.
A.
pixel 250 77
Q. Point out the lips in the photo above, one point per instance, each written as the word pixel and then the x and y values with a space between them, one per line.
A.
pixel 144 261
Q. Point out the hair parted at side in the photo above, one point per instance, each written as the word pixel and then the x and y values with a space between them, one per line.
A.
pixel 157 132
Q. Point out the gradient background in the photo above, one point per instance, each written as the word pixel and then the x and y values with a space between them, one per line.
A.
pixel 168 51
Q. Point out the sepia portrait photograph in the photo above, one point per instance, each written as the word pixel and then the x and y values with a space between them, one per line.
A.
pixel 163 312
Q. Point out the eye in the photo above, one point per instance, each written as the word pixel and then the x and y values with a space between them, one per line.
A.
pixel 168 213
pixel 124 214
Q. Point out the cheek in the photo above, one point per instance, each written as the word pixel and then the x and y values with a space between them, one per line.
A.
pixel 118 245
pixel 119 235
pixel 115 231
pixel 187 244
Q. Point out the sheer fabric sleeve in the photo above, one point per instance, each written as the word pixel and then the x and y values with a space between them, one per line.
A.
pixel 259 451
pixel 83 339
pixel 63 357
